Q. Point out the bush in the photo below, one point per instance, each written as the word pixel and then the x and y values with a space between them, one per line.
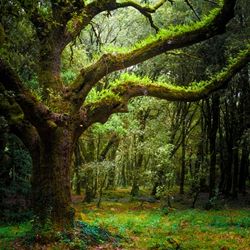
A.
pixel 15 186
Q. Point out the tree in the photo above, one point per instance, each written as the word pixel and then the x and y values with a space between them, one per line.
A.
pixel 51 127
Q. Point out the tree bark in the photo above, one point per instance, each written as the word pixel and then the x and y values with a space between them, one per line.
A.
pixel 143 115
pixel 183 153
pixel 243 173
pixel 51 180
pixel 215 112
pixel 77 165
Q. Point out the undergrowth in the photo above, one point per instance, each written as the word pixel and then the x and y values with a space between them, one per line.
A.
pixel 146 227
pixel 84 235
pixel 121 223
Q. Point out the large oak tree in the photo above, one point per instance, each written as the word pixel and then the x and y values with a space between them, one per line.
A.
pixel 51 134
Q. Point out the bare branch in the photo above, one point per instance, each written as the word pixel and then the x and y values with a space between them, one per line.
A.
pixel 79 22
pixel 144 10
pixel 192 8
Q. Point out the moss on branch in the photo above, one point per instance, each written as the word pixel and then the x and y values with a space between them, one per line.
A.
pixel 115 99
pixel 173 38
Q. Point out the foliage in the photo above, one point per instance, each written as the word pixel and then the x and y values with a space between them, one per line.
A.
pixel 9 233
pixel 15 186
pixel 132 225
pixel 84 236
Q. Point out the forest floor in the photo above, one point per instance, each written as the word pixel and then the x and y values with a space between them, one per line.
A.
pixel 142 223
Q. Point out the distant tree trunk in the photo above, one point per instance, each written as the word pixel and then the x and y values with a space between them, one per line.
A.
pixel 215 113
pixel 90 175
pixel 244 164
pixel 110 148
pixel 143 115
pixel 135 185
pixel 183 155
pixel 222 159
pixel 154 189
pixel 235 183
pixel 124 182
pixel 230 139
pixel 245 124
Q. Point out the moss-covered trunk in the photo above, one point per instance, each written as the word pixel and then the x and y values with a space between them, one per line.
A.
pixel 51 180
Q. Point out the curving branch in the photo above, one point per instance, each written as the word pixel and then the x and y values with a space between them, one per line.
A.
pixel 144 10
pixel 101 110
pixel 214 24
pixel 36 112
pixel 80 21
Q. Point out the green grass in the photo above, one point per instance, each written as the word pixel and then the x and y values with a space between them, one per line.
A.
pixel 11 232
pixel 187 229
pixel 146 226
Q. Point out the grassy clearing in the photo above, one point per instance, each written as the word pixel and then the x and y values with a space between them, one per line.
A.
pixel 148 227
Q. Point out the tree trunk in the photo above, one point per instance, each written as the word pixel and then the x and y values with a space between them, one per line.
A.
pixel 215 112
pixel 77 165
pixel 51 180
pixel 123 175
pixel 244 163
pixel 235 172
pixel 183 155
pixel 143 115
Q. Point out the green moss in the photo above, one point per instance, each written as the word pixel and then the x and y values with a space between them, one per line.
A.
pixel 95 96
pixel 126 79
pixel 167 34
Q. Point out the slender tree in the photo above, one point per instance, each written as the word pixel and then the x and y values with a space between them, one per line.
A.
pixel 51 134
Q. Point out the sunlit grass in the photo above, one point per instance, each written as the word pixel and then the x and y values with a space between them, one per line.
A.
pixel 145 228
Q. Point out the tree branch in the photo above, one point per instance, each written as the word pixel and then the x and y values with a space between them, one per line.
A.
pixel 37 113
pixel 192 8
pixel 214 24
pixel 144 10
pixel 101 110
pixel 79 22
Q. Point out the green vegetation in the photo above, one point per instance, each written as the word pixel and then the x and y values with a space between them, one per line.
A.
pixel 124 124
pixel 168 34
pixel 142 225
pixel 148 226
pixel 8 234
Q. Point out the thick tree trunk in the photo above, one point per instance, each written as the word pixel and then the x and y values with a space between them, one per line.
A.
pixel 51 180
pixel 77 165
